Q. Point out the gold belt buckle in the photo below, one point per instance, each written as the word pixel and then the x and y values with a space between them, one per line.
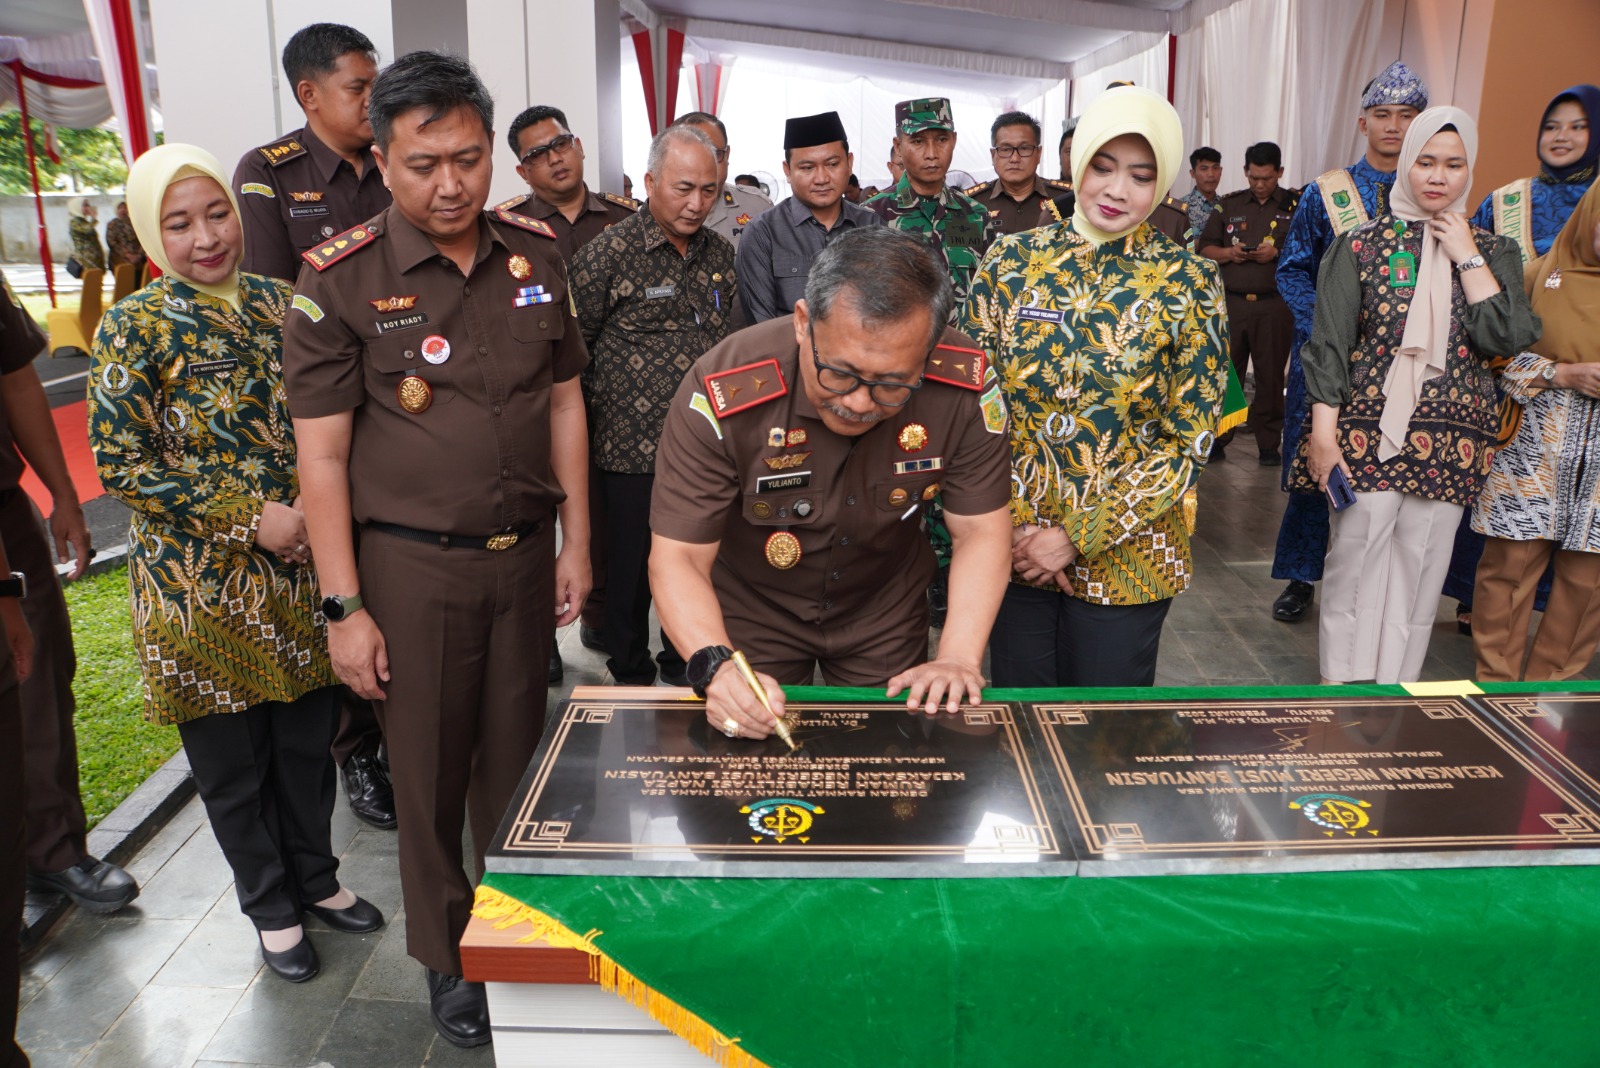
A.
pixel 501 542
pixel 1252 296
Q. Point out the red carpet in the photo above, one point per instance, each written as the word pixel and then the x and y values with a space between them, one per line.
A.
pixel 73 428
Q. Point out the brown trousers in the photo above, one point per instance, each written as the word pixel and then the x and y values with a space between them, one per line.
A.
pixel 469 634
pixel 1261 331
pixel 12 886
pixel 1502 607
pixel 55 820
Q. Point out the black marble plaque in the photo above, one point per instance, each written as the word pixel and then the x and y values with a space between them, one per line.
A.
pixel 1215 786
pixel 1561 730
pixel 648 788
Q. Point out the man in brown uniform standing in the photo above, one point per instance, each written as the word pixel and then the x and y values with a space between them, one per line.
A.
pixel 431 360
pixel 56 850
pixel 1017 196
pixel 550 160
pixel 293 195
pixel 795 459
pixel 298 191
pixel 1243 234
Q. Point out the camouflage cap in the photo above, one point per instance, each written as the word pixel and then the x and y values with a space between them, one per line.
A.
pixel 928 113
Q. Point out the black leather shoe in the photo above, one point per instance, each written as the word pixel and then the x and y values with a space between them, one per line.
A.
pixel 673 676
pixel 460 1009
pixel 297 963
pixel 590 638
pixel 92 884
pixel 1219 453
pixel 371 795
pixel 1293 601
pixel 359 918
pixel 557 669
pixel 1271 458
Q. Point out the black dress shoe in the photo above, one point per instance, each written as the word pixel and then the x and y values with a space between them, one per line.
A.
pixel 460 1009
pixel 557 669
pixel 590 638
pixel 674 676
pixel 371 795
pixel 359 918
pixel 1271 458
pixel 297 963
pixel 1293 601
pixel 1219 452
pixel 92 884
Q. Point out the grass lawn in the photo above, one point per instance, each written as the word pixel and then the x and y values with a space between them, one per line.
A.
pixel 117 749
pixel 38 304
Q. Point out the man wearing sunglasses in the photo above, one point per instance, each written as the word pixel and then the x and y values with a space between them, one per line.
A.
pixel 550 160
pixel 1017 196
pixel 796 459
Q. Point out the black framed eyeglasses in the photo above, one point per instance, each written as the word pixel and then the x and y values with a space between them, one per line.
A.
pixel 1007 151
pixel 840 382
pixel 539 152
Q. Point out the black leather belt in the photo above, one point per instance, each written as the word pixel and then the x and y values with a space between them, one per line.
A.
pixel 493 543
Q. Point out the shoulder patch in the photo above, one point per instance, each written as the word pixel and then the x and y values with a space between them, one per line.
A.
pixel 1058 183
pixel 1173 202
pixel 514 202
pixel 523 222
pixel 957 367
pixel 974 190
pixel 258 189
pixel 307 305
pixel 744 387
pixel 621 201
pixel 338 247
pixel 281 152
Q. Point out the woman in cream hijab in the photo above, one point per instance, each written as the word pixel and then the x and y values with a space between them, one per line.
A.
pixel 1108 343
pixel 189 428
pixel 1411 309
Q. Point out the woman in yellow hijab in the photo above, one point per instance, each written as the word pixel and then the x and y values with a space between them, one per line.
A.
pixel 189 428
pixel 1109 344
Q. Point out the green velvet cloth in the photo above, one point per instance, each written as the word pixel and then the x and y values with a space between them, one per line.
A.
pixel 1493 967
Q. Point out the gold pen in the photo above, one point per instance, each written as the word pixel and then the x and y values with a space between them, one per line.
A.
pixel 748 673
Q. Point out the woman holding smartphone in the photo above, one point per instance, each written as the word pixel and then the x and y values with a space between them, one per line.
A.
pixel 1411 309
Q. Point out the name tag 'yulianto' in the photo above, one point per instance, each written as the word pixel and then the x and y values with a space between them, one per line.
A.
pixel 779 483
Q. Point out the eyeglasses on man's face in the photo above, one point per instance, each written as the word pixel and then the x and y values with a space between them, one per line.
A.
pixel 541 152
pixel 1007 151
pixel 840 382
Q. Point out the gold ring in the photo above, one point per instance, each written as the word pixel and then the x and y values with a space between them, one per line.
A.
pixel 730 727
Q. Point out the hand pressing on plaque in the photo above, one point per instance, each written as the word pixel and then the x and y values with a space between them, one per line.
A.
pixel 733 708
pixel 946 680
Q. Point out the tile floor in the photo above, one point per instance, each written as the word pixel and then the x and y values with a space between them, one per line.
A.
pixel 174 981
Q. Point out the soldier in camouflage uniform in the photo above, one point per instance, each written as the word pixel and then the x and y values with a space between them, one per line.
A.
pixel 959 229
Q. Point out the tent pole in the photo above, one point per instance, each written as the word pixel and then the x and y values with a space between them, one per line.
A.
pixel 1172 68
pixel 33 174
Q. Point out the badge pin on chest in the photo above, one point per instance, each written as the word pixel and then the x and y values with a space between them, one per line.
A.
pixel 520 268
pixel 435 348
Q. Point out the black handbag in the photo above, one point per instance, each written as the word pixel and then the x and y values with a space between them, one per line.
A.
pixel 74 268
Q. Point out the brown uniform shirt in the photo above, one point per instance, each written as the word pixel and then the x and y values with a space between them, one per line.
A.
pixel 1240 219
pixel 20 342
pixel 1013 216
pixel 600 210
pixel 772 466
pixel 1170 217
pixel 296 193
pixel 476 460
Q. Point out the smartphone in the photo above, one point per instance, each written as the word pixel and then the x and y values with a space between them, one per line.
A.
pixel 1340 495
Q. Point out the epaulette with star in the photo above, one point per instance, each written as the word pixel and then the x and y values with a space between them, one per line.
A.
pixel 981 187
pixel 282 151
pixel 1059 183
pixel 1174 202
pixel 956 366
pixel 513 203
pixel 339 246
pixel 523 222
pixel 621 201
pixel 739 388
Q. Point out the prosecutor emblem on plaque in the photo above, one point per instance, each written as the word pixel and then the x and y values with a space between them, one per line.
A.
pixel 1334 812
pixel 781 818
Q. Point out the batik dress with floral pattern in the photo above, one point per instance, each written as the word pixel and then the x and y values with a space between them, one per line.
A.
pixel 1113 363
pixel 190 429
pixel 1360 320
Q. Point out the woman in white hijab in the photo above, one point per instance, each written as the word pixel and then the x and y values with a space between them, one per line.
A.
pixel 190 430
pixel 1412 307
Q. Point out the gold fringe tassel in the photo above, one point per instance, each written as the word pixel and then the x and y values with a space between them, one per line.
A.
pixel 505 912
pixel 1232 419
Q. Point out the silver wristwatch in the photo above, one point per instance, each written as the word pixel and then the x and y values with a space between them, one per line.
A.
pixel 1471 264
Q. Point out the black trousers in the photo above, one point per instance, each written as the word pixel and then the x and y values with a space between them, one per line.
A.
pixel 266 780
pixel 12 887
pixel 1042 638
pixel 627 620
